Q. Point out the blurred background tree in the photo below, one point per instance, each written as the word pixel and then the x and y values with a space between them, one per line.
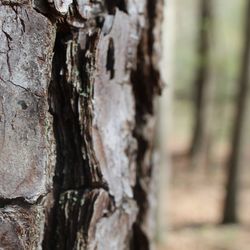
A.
pixel 209 141
pixel 201 134
pixel 230 206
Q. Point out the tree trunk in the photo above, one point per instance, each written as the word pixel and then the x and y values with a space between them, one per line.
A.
pixel 77 84
pixel 200 137
pixel 230 206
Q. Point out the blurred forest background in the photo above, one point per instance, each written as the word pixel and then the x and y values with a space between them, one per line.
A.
pixel 205 205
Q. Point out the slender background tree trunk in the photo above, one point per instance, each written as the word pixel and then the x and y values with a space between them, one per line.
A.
pixel 199 147
pixel 230 206
pixel 77 85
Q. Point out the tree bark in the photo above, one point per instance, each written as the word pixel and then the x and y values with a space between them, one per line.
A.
pixel 230 205
pixel 77 87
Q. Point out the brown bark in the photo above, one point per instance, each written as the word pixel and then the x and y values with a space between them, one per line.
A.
pixel 77 85
pixel 230 205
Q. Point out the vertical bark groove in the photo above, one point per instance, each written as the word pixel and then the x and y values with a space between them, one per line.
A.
pixel 146 84
pixel 70 95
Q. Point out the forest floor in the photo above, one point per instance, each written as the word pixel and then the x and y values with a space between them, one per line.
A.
pixel 193 210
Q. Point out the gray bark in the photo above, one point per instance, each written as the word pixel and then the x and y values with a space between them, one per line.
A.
pixel 77 84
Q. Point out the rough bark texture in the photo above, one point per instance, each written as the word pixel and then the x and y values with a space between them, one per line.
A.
pixel 77 84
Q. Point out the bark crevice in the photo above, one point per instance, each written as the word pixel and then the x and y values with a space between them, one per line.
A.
pixel 70 102
pixel 146 83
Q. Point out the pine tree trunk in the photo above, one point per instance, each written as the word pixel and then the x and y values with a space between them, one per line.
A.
pixel 199 147
pixel 230 205
pixel 77 84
